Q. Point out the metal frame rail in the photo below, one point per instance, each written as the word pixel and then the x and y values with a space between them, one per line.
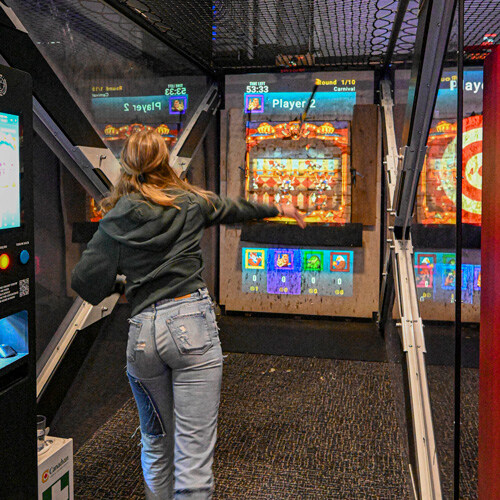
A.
pixel 402 170
pixel 87 165
pixel 87 160
pixel 195 131
pixel 95 168
pixel 426 482
pixel 78 159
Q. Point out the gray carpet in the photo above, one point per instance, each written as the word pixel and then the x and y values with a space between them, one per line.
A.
pixel 289 428
pixel 441 386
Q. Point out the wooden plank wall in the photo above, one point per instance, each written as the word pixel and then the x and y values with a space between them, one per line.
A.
pixel 365 161
pixel 366 259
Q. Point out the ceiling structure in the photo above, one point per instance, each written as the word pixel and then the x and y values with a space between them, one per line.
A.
pixel 89 37
pixel 256 35
pixel 135 37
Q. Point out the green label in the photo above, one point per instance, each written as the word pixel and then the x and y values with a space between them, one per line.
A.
pixel 59 490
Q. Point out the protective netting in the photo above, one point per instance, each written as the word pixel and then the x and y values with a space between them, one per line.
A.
pixel 241 35
pixel 406 37
pixel 92 37
pixel 245 34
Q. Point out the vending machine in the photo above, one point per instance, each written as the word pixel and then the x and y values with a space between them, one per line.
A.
pixel 18 455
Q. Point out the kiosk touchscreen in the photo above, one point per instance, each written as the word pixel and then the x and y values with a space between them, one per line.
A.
pixel 13 328
pixel 17 301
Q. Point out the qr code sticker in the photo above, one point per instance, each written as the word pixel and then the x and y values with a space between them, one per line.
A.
pixel 24 287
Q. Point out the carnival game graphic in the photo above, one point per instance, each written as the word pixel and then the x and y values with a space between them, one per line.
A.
pixel 435 278
pixel 306 165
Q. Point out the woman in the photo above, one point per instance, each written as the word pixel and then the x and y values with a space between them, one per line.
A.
pixel 151 233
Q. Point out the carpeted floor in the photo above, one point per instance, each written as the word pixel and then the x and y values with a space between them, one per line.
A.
pixel 441 389
pixel 289 428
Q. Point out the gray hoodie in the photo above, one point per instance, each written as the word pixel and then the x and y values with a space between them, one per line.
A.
pixel 157 248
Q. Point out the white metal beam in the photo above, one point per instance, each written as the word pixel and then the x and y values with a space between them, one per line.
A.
pixel 399 267
pixel 80 316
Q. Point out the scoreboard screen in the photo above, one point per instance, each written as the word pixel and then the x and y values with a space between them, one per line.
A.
pixel 296 271
pixel 120 108
pixel 435 274
pixel 281 97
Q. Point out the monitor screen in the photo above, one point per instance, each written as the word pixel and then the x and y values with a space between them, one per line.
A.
pixel 10 195
pixel 297 271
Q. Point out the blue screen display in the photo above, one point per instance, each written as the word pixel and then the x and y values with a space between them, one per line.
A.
pixel 435 274
pixel 10 195
pixel 297 271
pixel 13 338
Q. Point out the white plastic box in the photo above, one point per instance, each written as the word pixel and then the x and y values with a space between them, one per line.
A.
pixel 55 470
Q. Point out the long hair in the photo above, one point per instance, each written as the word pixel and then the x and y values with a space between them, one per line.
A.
pixel 146 170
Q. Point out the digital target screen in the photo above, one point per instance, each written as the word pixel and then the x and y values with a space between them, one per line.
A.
pixel 436 199
pixel 296 271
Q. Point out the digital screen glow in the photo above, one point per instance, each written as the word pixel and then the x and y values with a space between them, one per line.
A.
pixel 436 198
pixel 284 103
pixel 435 274
pixel 304 165
pixel 13 337
pixel 294 271
pixel 298 139
pixel 438 181
pixel 10 195
pixel 119 108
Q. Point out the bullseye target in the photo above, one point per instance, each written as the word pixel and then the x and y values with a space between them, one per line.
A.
pixel 472 158
pixel 439 183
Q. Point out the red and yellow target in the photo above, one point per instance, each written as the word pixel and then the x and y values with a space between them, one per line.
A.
pixel 439 176
pixel 472 163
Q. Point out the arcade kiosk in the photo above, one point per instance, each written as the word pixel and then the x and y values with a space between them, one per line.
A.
pixel 18 455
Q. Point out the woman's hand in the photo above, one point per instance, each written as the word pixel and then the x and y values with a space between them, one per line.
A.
pixel 293 213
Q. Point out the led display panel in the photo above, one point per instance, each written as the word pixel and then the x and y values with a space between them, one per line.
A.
pixel 436 198
pixel 10 195
pixel 296 271
pixel 435 274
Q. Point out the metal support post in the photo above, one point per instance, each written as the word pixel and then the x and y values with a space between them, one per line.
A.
pixel 413 344
pixel 399 280
pixel 195 131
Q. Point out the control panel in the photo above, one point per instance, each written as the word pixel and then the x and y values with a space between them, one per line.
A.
pixel 17 287
pixel 16 221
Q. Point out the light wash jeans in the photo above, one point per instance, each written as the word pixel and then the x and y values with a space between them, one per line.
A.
pixel 174 365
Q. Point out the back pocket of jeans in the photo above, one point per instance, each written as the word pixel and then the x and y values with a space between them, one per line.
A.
pixel 190 332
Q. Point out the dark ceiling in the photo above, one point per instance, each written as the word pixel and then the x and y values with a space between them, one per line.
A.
pixel 134 37
pixel 236 35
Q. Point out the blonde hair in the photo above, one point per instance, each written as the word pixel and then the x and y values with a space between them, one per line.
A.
pixel 146 170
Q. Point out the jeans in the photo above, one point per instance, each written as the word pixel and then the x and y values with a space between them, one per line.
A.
pixel 174 365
